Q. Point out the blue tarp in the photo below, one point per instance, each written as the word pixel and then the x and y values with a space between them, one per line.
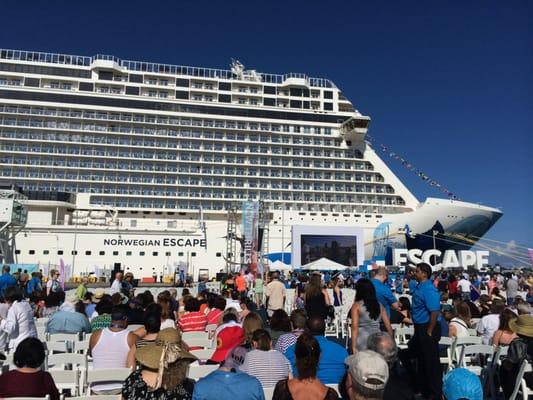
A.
pixel 283 257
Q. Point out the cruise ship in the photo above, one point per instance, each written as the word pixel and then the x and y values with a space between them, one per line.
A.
pixel 144 167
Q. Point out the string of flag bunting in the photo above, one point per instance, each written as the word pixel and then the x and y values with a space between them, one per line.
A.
pixel 410 167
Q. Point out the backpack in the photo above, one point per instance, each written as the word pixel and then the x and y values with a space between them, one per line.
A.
pixel 516 354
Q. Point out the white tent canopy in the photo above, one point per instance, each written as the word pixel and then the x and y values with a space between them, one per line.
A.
pixel 280 266
pixel 324 264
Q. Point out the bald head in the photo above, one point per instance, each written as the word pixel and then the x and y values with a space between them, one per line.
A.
pixel 383 344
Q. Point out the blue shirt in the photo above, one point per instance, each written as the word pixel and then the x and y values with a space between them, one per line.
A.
pixel 34 284
pixel 6 280
pixel 220 385
pixel 331 365
pixel 425 300
pixel 384 295
pixel 412 286
pixel 89 309
pixel 68 322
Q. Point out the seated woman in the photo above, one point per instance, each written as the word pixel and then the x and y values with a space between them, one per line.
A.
pixel 504 335
pixel 28 380
pixel 152 325
pixel 266 364
pixel 163 372
pixel 307 386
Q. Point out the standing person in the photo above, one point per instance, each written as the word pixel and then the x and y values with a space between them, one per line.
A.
pixel 511 289
pixel 307 385
pixel 258 290
pixel 316 298
pixel 19 323
pixel 34 284
pixel 465 287
pixel 275 293
pixel 367 314
pixel 337 292
pixel 127 285
pixel 383 292
pixel 53 285
pixel 6 280
pixel 425 342
pixel 116 286
pixel 240 282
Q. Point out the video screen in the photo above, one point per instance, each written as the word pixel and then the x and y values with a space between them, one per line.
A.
pixel 341 249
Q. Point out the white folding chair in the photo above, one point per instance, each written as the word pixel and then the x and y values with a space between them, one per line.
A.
pixel 81 347
pixel 67 380
pixel 57 347
pixel 64 337
pixel 197 339
pixel 333 386
pixel 105 375
pixel 204 354
pixel 47 397
pixel 41 321
pixel 448 343
pixel 268 392
pixel 402 335
pixel 520 383
pixel 69 361
pixel 460 342
pixel 199 371
pixel 490 386
pixel 210 329
pixel 134 327
pixel 483 353
pixel 98 397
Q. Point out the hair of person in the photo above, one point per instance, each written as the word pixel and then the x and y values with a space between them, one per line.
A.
pixel 6 268
pixel 12 294
pixel 365 393
pixel 52 300
pixel 298 319
pixel 463 312
pixel 164 299
pixel 105 306
pixel 405 303
pixel 365 291
pixel 497 307
pixel 116 299
pixel 192 304
pixel 426 269
pixel 307 354
pixel 119 313
pixel 220 303
pixel 316 325
pixel 53 272
pixel 80 307
pixel 280 321
pixel 506 316
pixel 30 353
pixel 495 291
pixel 185 292
pixel 230 314
pixel 211 300
pixel 523 308
pixel 250 324
pixel 152 322
pixel 88 296
pixel 148 297
pixel 381 271
pixel 262 339
pixel 234 295
pixel 314 287
pixel 383 344
pixel 484 299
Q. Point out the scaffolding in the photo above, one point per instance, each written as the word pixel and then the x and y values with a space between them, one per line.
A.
pixel 13 217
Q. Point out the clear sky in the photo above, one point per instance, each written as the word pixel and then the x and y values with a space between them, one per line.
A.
pixel 448 84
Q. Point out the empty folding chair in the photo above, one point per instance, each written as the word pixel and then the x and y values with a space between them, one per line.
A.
pixel 199 371
pixel 204 354
pixel 446 344
pixel 402 336
pixel 67 380
pixel 478 353
pixel 520 383
pixel 460 342
pixel 268 392
pixel 197 339
pixel 105 376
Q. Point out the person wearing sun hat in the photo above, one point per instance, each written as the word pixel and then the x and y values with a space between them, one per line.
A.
pixel 520 349
pixel 163 372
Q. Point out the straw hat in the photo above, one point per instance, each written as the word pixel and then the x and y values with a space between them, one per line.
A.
pixel 167 349
pixel 523 325
pixel 98 295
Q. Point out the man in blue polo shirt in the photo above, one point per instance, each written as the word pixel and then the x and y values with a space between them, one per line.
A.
pixel 384 292
pixel 6 280
pixel 425 311
pixel 332 355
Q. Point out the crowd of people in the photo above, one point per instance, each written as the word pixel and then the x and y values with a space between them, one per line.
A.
pixel 260 346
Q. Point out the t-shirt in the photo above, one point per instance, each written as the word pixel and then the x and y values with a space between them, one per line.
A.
pixel 487 326
pixel 464 285
pixel 214 316
pixel 267 366
pixel 384 295
pixel 512 288
pixel 241 283
pixel 221 384
pixel 35 384
pixel 275 291
pixel 194 321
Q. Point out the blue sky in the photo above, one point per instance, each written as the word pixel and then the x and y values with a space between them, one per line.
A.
pixel 448 85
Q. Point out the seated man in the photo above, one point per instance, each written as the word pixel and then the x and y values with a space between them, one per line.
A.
pixel 331 366
pixel 367 376
pixel 67 320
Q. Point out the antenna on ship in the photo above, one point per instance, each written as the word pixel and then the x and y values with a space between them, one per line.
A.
pixel 237 68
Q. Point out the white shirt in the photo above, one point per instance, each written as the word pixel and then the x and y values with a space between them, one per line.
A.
pixel 115 287
pixel 487 326
pixel 19 323
pixel 465 285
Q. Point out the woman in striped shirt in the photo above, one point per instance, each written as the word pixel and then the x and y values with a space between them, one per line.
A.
pixel 267 365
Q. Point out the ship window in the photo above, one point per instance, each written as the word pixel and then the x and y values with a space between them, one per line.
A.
pixel 31 252
pixel 267 101
pixel 17 251
pixel 182 82
pixel 193 254
pixel 60 252
pixel 74 252
pixel 328 94
pixel 132 90
pixel 167 254
pixel 219 254
pixel 88 252
pixel 86 86
pixel 224 86
pixel 115 253
pixel 180 94
pixel 328 106
pixel 155 253
pixel 224 98
pixel 269 90
pixel 136 78
pixel 105 75
pixel 101 253
pixel 128 253
pixel 180 254
pixel 142 253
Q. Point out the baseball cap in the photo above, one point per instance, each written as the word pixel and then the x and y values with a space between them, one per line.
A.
pixel 369 369
pixel 460 383
pixel 227 339
pixel 235 357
